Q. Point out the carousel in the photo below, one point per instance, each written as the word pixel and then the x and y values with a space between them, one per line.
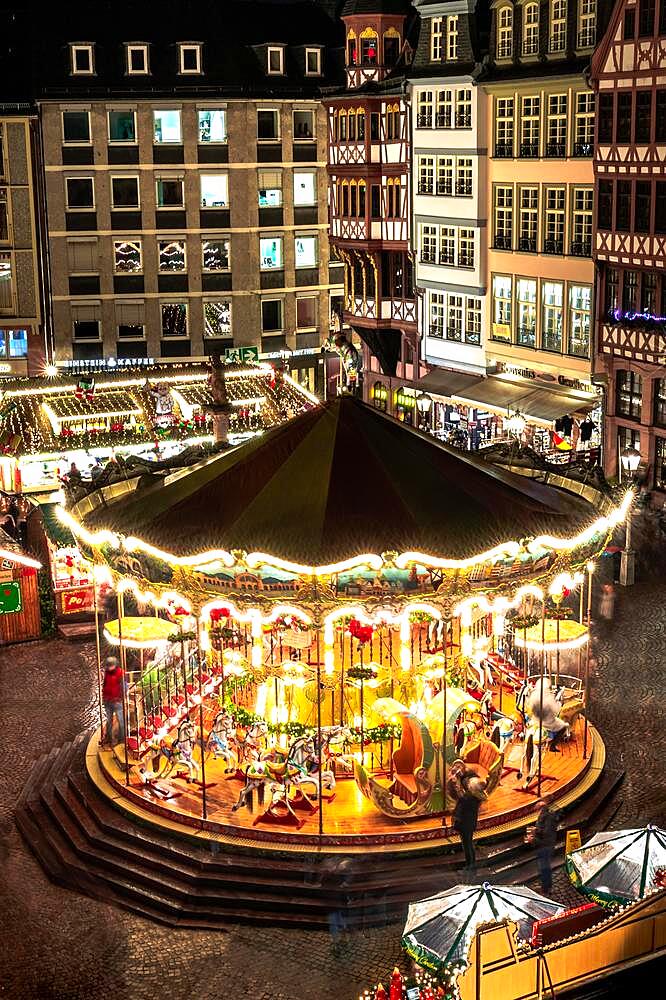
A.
pixel 326 632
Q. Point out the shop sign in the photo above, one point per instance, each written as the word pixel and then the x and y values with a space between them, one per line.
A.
pixel 104 364
pixel 574 383
pixel 241 354
pixel 10 597
pixel 530 373
pixel 502 331
pixel 75 601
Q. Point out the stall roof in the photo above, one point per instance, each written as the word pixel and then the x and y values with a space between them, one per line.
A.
pixel 56 531
pixel 339 480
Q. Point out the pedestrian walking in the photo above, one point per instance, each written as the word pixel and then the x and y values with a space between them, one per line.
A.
pixel 545 837
pixel 112 696
pixel 607 606
pixel 466 817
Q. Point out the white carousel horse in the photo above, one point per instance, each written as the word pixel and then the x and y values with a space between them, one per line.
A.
pixel 222 739
pixel 184 747
pixel 249 739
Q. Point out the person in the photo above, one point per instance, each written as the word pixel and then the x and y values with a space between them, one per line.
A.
pixel 112 697
pixel 466 816
pixel 73 476
pixel 607 605
pixel 545 836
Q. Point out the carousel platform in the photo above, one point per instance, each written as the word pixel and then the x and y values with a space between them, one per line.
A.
pixel 90 838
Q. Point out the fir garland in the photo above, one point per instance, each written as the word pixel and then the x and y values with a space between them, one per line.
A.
pixel 374 734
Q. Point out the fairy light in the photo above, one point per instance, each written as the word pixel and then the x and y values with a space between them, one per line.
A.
pixel 256 559
pixel 20 559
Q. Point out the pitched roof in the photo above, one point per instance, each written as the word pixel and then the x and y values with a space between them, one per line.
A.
pixel 340 480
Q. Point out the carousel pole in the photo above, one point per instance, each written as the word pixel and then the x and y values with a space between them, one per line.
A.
pixel 120 603
pixel 99 661
pixel 319 747
pixel 204 805
pixel 542 671
pixel 446 633
pixel 590 572
pixel 557 655
pixel 361 652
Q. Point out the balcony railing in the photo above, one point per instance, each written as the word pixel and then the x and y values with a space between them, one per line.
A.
pixel 581 248
pixel 444 119
pixel 437 330
pixel 503 243
pixel 586 37
pixel 445 189
pixel 529 150
pixel 530 47
pixel 527 244
pixel 556 150
pixel 463 119
pixel 425 187
pixel 503 150
pixel 428 257
pixel 424 120
pixel 447 257
pixel 465 259
pixel 583 149
pixel 553 246
pixel 463 187
pixel 453 333
pixel 526 336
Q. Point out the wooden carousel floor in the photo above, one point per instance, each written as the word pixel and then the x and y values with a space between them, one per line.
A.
pixel 349 819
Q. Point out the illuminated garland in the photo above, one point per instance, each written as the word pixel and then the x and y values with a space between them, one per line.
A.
pixel 374 734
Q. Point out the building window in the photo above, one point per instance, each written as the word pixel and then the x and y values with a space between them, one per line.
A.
pixel 124 192
pixel 82 60
pixel 169 192
pixel 83 256
pixel 504 127
pixel 137 60
pixel 454 327
pixel 214 190
pixel 369 46
pixel 305 188
pixel 473 322
pixel 526 293
pixel 428 244
pixel 552 297
pixel 189 57
pixel 606 117
pixel 6 283
pixel 270 253
pixel 80 193
pixel 530 122
pixel 643 120
pixel 306 312
pixel 611 292
pixel 503 218
pixel 505 33
pixel 271 316
pixel 642 206
pixel 528 219
pixel 76 127
pixel 313 62
pixel 624 117
pixel 605 205
pixel 392 119
pixel 304 124
pixel 122 126
pixel 444 109
pixel 628 394
pixel 217 319
pixel 646 18
pixel 393 198
pixel 436 39
pixel 464 108
pixel 352 51
pixel 167 127
pixel 464 176
pixel 268 125
pixel 127 257
pixel 426 174
pixel 660 462
pixel 13 343
pixel 444 175
pixel 629 27
pixel 558 26
pixel 447 245
pixel 660 207
pixel 580 304
pixel 630 287
pixel 452 38
pixel 213 125
pixel 584 124
pixel 622 206
pixel 649 293
pixel 86 324
pixel 171 255
pixel 424 112
pixel 587 23
pixel 501 313
pixel 553 241
pixel 270 188
pixel 174 319
pixel 556 140
pixel 531 29
pixel 660 405
pixel 130 321
pixel 466 248
pixel 438 314
pixel 4 216
pixel 216 254
pixel 306 248
pixel 581 224
pixel 275 61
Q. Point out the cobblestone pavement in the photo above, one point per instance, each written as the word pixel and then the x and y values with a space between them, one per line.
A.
pixel 57 944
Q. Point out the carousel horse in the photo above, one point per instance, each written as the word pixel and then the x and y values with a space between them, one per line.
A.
pixel 543 708
pixel 249 739
pixel 503 732
pixel 221 739
pixel 184 747
pixel 256 777
pixel 529 764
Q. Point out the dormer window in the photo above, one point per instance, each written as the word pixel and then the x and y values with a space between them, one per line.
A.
pixel 313 62
pixel 436 39
pixel 504 33
pixel 369 46
pixel 189 57
pixel 452 38
pixel 82 60
pixel 137 60
pixel 531 29
pixel 275 60
pixel 391 44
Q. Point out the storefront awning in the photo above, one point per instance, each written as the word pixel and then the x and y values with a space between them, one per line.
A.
pixel 443 382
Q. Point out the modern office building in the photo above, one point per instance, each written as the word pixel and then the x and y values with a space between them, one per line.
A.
pixel 628 71
pixel 186 178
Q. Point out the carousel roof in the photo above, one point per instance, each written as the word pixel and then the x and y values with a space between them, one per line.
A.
pixel 340 480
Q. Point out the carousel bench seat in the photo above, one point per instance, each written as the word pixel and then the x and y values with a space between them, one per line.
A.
pixel 487 760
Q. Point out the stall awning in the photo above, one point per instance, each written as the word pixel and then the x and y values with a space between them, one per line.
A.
pixel 444 382
pixel 56 531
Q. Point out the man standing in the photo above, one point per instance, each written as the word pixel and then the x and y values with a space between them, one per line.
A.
pixel 545 836
pixel 112 696
pixel 466 815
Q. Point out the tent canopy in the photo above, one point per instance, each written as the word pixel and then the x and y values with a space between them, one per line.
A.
pixel 619 866
pixel 340 480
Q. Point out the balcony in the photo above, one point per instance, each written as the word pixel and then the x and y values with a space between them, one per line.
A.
pixel 583 149
pixel 463 119
pixel 424 120
pixel 425 187
pixel 503 150
pixel 503 243
pixel 527 244
pixel 529 150
pixel 556 150
pixel 581 248
pixel 464 188
pixel 553 246
pixel 444 119
pixel 447 257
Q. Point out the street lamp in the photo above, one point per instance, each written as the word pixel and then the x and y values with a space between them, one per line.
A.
pixel 424 405
pixel 630 459
pixel 516 423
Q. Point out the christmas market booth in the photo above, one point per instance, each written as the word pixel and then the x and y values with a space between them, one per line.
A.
pixel 154 411
pixel 338 609
pixel 20 618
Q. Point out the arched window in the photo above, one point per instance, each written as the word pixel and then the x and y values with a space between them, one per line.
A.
pixel 352 52
pixel 369 46
pixel 360 124
pixel 391 43
pixel 504 33
pixel 392 122
pixel 361 199
pixel 351 125
pixel 531 29
pixel 558 26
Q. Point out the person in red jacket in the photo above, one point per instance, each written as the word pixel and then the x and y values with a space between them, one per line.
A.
pixel 112 696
